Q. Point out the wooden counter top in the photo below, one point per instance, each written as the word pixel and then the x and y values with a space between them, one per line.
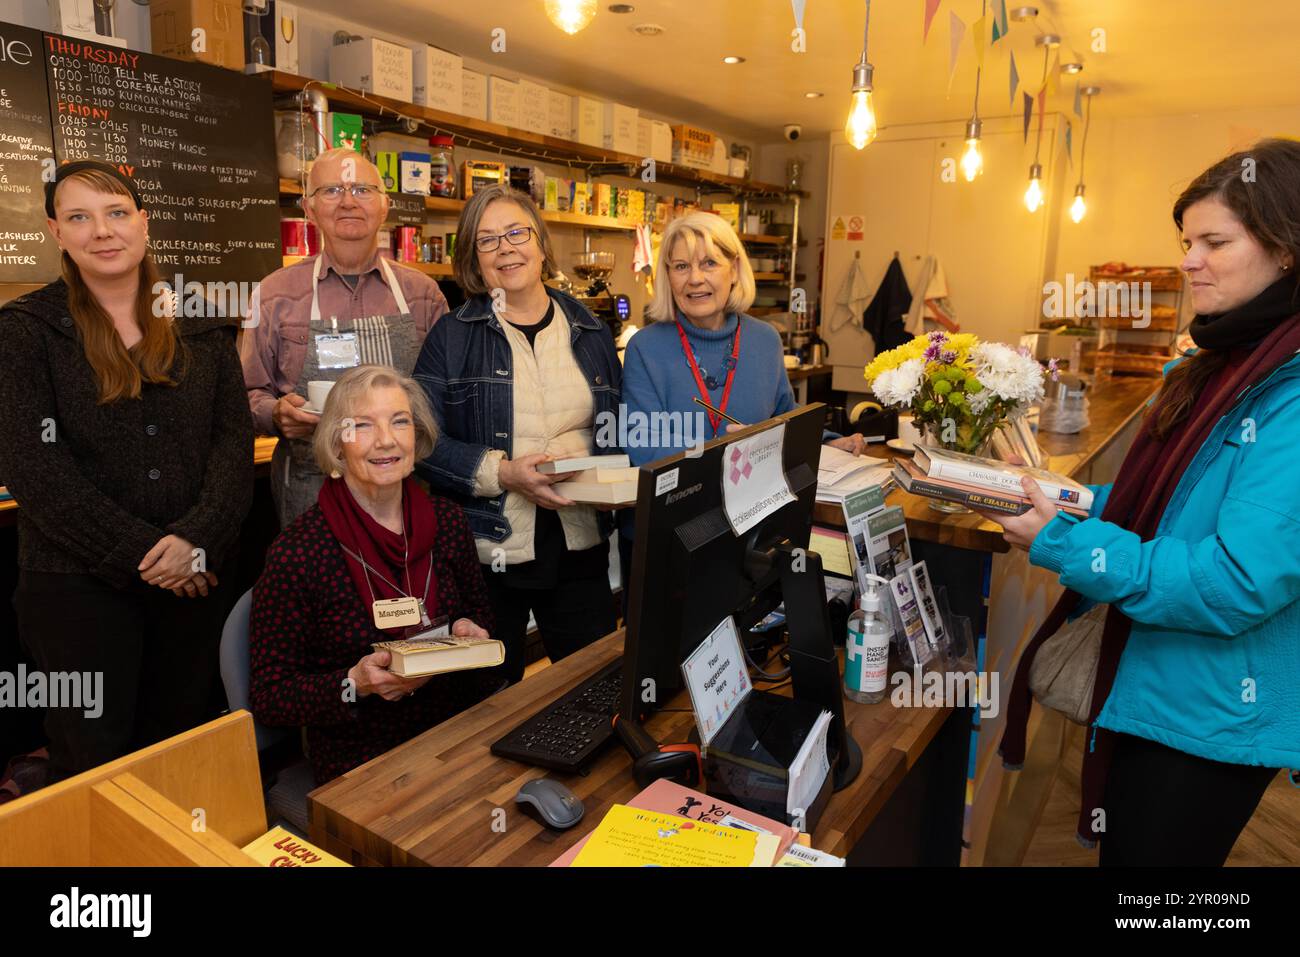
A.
pixel 1109 411
pixel 432 800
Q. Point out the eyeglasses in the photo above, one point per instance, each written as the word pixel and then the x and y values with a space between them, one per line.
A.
pixel 515 237
pixel 363 192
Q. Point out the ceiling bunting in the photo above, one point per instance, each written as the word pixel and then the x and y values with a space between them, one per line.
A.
pixel 1015 78
pixel 1029 112
pixel 999 20
pixel 1054 75
pixel 931 8
pixel 1069 142
pixel 957 31
pixel 798 6
pixel 1078 99
pixel 979 27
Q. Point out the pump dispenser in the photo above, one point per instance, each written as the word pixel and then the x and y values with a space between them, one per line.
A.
pixel 866 651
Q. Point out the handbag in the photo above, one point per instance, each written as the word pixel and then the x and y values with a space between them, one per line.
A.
pixel 1065 669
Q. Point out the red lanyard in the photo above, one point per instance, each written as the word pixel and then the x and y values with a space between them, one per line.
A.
pixel 714 420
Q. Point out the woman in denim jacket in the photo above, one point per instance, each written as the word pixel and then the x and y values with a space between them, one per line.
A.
pixel 519 375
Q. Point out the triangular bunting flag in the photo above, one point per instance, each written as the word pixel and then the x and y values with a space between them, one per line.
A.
pixel 957 30
pixel 1000 21
pixel 798 11
pixel 1069 142
pixel 931 8
pixel 1078 99
pixel 1054 75
pixel 1015 78
pixel 1029 112
pixel 1042 106
pixel 979 27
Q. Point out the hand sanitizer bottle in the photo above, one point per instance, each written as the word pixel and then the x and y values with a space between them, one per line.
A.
pixel 866 652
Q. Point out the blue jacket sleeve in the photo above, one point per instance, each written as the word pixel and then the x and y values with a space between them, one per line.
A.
pixel 1222 584
pixel 642 398
pixel 1099 495
pixel 450 467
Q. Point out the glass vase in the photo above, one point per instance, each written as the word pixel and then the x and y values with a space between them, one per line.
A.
pixel 930 438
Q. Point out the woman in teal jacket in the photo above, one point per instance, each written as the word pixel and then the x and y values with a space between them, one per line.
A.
pixel 1195 548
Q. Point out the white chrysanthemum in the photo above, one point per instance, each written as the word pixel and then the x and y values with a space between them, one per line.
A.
pixel 1007 374
pixel 899 386
pixel 979 401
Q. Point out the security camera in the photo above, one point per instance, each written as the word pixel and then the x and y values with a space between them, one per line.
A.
pixel 792 131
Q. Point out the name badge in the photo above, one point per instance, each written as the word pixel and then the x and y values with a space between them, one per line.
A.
pixel 397 612
pixel 338 351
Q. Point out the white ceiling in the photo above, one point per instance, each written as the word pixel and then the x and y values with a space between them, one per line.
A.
pixel 1163 56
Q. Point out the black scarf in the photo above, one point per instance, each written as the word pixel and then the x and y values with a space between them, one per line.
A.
pixel 1248 323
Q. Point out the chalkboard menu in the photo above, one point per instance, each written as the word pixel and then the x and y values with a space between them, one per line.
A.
pixel 197 141
pixel 27 250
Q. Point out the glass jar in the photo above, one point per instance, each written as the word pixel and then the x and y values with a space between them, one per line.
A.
pixel 442 162
pixel 295 144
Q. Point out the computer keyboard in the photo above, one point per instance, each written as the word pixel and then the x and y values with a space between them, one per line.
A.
pixel 569 732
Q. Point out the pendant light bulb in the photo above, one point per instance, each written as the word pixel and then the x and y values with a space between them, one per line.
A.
pixel 1034 194
pixel 860 128
pixel 570 15
pixel 1078 209
pixel 972 161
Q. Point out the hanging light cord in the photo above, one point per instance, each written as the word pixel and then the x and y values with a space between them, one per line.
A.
pixel 1038 144
pixel 866 25
pixel 1083 149
pixel 984 9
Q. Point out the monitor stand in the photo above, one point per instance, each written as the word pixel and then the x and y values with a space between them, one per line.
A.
pixel 814 668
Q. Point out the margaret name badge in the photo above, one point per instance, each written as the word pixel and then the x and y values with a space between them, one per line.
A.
pixel 338 351
pixel 397 612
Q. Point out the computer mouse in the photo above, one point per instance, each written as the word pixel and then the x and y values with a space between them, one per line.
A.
pixel 553 803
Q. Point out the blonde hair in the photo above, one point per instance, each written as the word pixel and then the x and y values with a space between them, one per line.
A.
pixel 465 260
pixel 327 443
pixel 719 241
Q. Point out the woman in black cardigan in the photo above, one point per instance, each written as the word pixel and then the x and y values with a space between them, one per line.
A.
pixel 126 440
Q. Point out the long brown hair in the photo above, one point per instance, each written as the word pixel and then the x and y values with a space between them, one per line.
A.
pixel 1262 188
pixel 121 372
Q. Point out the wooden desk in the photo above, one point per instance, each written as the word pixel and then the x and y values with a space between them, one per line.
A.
pixel 443 799
pixel 799 377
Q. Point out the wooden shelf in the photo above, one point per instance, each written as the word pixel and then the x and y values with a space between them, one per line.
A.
pixel 511 141
pixel 770 277
pixel 770 240
pixel 444 204
pixel 429 269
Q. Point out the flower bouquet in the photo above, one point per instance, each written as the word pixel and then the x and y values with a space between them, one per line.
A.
pixel 959 390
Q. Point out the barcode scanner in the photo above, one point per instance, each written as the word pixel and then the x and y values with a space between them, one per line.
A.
pixel 651 760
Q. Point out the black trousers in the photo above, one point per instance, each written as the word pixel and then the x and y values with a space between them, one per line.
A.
pixel 572 614
pixel 156 653
pixel 1165 807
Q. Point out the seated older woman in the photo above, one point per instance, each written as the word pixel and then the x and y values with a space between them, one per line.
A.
pixel 373 534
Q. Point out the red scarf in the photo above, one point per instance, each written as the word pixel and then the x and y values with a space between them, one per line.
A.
pixel 400 559
pixel 1143 486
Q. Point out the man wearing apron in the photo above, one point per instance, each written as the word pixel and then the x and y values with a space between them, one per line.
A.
pixel 314 320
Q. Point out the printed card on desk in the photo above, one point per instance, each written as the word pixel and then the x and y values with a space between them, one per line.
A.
pixel 629 837
pixel 904 595
pixel 716 678
pixel 929 608
pixel 753 479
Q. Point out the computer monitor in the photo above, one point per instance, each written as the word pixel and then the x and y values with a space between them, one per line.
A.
pixel 691 571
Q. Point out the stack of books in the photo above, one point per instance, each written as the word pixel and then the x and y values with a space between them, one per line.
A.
pixel 597 479
pixel 985 484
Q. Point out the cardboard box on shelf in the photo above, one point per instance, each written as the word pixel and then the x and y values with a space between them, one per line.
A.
pixel 551 201
pixel 692 146
pixel 344 130
pixel 560 114
pixel 389 170
pixel 602 200
pixel 620 128
pixel 477 174
pixel 473 94
pixel 437 78
pixel 588 121
pixel 373 66
pixel 661 141
pixel 503 101
pixel 415 169
pixel 172 24
pixel 534 107
pixel 721 158
pixel 737 167
pixel 582 197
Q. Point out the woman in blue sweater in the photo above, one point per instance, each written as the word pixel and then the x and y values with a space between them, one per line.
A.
pixel 701 344
pixel 1196 701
